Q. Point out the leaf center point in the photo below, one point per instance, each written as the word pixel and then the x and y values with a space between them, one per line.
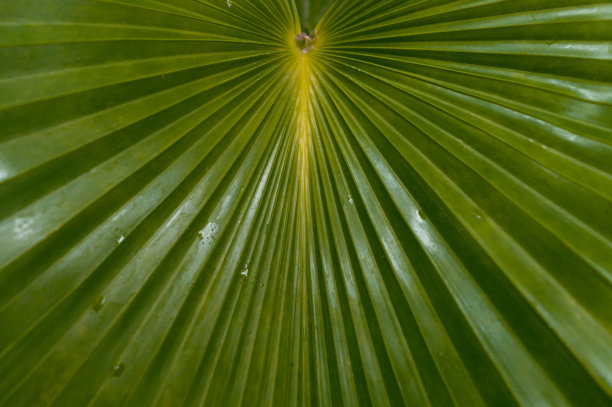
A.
pixel 306 42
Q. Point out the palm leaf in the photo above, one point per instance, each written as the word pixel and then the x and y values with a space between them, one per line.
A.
pixel 413 205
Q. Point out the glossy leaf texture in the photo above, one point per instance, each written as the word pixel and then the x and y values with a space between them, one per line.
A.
pixel 415 211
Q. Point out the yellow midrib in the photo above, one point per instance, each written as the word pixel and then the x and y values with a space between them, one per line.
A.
pixel 304 133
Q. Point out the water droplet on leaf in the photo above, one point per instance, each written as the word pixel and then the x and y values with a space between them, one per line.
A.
pixel 420 215
pixel 118 369
pixel 99 303
pixel 209 233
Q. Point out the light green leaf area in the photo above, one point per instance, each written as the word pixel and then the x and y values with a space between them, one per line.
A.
pixel 408 204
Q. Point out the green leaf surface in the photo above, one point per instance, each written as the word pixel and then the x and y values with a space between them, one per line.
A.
pixel 410 206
